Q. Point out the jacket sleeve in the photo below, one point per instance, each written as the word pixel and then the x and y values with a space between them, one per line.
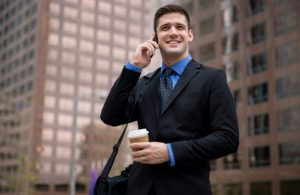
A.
pixel 120 100
pixel 223 138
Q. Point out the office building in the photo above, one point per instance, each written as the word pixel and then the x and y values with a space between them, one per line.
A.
pixel 56 58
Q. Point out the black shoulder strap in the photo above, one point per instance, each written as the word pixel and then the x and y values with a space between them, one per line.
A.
pixel 116 146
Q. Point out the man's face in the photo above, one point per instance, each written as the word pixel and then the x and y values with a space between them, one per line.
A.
pixel 173 35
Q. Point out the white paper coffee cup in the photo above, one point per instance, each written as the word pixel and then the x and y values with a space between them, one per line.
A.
pixel 139 135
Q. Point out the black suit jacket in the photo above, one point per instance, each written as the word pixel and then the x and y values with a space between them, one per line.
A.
pixel 199 121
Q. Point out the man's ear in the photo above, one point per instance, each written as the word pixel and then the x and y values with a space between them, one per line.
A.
pixel 191 35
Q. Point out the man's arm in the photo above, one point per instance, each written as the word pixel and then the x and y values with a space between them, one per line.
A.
pixel 120 99
pixel 224 136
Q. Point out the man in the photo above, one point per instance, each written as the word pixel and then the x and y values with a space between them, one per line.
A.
pixel 188 111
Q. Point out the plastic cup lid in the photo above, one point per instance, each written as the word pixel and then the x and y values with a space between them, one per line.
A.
pixel 137 133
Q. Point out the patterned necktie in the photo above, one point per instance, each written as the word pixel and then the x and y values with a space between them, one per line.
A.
pixel 165 87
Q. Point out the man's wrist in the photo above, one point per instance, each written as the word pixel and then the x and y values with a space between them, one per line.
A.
pixel 133 67
pixel 171 155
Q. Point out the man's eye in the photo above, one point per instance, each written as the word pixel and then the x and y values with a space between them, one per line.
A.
pixel 180 27
pixel 165 28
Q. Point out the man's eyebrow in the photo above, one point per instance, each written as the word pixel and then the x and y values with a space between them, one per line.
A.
pixel 168 24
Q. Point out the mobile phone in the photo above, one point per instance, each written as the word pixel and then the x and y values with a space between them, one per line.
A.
pixel 155 38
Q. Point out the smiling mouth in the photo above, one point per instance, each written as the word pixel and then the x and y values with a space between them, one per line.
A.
pixel 173 42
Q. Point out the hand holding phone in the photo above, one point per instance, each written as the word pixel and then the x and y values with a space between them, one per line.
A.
pixel 144 52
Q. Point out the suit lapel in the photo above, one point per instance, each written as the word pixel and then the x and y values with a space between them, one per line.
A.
pixel 190 71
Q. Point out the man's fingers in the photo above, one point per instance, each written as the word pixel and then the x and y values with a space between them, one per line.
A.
pixel 140 145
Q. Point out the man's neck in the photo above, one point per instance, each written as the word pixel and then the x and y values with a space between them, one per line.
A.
pixel 170 60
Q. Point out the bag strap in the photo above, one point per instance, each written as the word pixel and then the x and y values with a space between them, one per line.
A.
pixel 116 146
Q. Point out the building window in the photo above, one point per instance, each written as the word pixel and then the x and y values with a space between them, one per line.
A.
pixel 102 79
pixel 86 31
pixel 49 102
pixel 80 187
pixel 102 65
pixel 255 6
pixel 258 93
pixel 69 42
pixel 232 161
pixel 86 46
pixel 53 39
pixel 119 39
pixel 103 35
pixel 258 124
pixel 288 86
pixel 207 26
pixel 68 74
pixel 135 3
pixel 68 58
pixel 63 153
pixel 207 52
pixel 258 33
pixel 70 12
pixel 42 187
pixel 260 188
pixel 104 21
pixel 47 134
pixel 230 43
pixel 65 104
pixel 70 27
pixel 290 187
pixel 135 15
pixel 120 25
pixel 259 156
pixel 289 119
pixel 104 7
pixel 229 16
pixel 61 187
pixel 103 50
pixel 258 63
pixel 287 53
pixel 54 8
pixel 289 152
pixel 65 120
pixel 84 106
pixel 286 22
pixel 233 189
pixel 89 4
pixel 237 97
pixel 119 11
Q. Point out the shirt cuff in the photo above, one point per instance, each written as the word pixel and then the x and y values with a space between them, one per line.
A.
pixel 171 155
pixel 133 67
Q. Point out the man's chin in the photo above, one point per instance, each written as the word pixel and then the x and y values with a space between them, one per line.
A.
pixel 174 51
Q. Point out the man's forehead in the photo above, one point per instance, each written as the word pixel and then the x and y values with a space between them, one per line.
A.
pixel 176 18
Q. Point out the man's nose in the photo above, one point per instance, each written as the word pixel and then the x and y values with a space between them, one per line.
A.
pixel 173 31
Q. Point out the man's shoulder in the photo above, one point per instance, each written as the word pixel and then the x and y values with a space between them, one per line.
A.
pixel 206 69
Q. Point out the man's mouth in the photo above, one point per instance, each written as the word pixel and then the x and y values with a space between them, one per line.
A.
pixel 173 42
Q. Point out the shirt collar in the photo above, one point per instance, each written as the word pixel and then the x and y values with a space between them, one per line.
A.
pixel 179 66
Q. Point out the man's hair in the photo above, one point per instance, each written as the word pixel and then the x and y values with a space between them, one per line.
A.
pixel 171 8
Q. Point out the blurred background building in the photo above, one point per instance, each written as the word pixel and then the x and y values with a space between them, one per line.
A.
pixel 59 58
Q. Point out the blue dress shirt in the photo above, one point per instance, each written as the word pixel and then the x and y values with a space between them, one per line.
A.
pixel 178 69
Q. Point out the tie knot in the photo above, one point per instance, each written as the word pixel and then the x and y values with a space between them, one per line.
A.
pixel 167 71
